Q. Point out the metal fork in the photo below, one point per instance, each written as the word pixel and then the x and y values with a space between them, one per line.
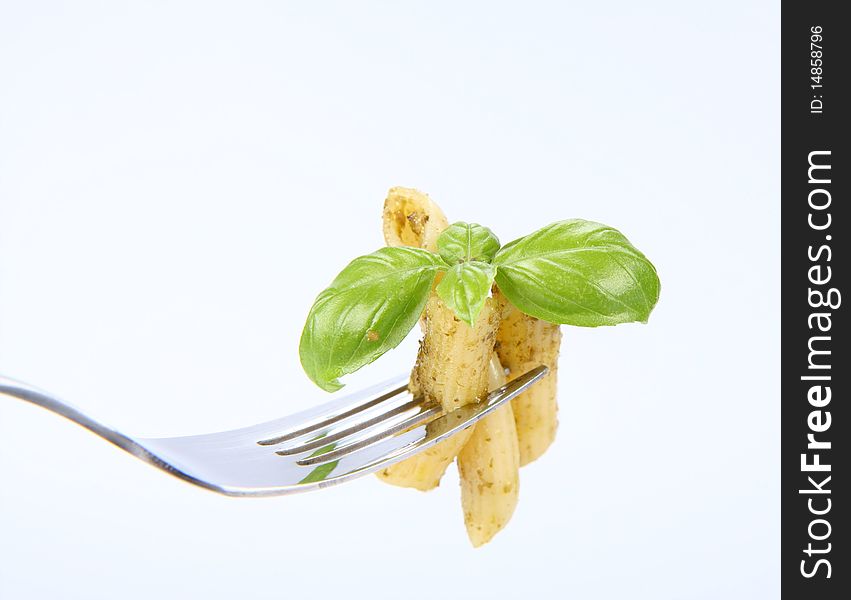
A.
pixel 335 442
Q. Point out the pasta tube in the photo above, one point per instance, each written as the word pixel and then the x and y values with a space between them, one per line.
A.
pixel 524 342
pixel 489 466
pixel 411 218
pixel 452 364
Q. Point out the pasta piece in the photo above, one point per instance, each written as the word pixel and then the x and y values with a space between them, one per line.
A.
pixel 489 466
pixel 452 364
pixel 524 342
pixel 411 219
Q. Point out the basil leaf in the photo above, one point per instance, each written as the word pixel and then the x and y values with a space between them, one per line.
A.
pixel 465 287
pixel 578 273
pixel 461 242
pixel 367 310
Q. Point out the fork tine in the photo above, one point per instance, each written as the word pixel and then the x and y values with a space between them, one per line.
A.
pixel 438 429
pixel 344 433
pixel 327 420
pixel 341 451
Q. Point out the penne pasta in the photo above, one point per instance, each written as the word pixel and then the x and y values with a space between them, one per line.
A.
pixel 410 218
pixel 489 466
pixel 452 364
pixel 523 342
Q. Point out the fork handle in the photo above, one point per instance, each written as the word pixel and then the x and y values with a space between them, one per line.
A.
pixel 29 393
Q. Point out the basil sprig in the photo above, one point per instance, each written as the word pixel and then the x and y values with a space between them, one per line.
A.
pixel 572 272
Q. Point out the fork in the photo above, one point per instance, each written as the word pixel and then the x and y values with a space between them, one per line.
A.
pixel 322 446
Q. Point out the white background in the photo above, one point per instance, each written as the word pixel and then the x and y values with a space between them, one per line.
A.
pixel 177 182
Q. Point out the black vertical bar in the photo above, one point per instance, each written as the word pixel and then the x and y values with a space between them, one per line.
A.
pixel 816 364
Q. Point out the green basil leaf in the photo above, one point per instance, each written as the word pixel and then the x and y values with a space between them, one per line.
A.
pixel 578 273
pixel 461 242
pixel 465 287
pixel 368 309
